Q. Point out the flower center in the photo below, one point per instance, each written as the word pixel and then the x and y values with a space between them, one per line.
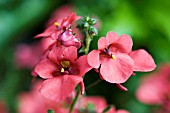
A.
pixel 107 51
pixel 113 57
pixel 56 24
pixel 62 70
pixel 65 66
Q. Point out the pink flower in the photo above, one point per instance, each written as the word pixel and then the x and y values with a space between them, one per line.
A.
pixel 112 55
pixel 34 102
pixel 94 104
pixel 56 28
pixel 142 60
pixel 98 103
pixel 68 39
pixel 116 59
pixel 27 56
pixel 61 32
pixel 154 88
pixel 62 71
pixel 59 13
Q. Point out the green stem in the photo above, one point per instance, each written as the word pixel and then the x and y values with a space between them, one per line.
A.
pixel 88 41
pixel 93 84
pixel 75 100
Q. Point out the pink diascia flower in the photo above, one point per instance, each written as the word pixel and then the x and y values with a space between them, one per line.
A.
pixel 155 88
pixel 62 71
pixel 94 104
pixel 116 59
pixel 61 31
pixel 27 56
pixel 34 102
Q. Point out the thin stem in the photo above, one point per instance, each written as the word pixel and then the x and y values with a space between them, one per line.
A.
pixel 75 100
pixel 93 84
pixel 88 41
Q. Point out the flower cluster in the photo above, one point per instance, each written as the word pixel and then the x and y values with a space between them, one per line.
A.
pixel 116 60
pixel 62 68
pixel 154 89
pixel 38 104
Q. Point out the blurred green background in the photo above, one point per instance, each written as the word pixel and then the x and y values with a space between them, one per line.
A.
pixel 146 21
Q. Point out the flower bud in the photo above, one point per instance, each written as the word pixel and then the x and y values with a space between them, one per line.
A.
pixel 86 24
pixel 93 31
pixel 92 21
pixel 87 18
pixel 67 38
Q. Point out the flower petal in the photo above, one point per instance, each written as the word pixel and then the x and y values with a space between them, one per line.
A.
pixel 51 29
pixel 47 43
pixel 112 37
pixel 148 90
pixel 60 53
pixel 60 87
pixel 99 103
pixel 120 86
pixel 55 35
pixel 83 65
pixel 102 43
pixel 69 20
pixel 70 53
pixel 82 87
pixel 45 68
pixel 93 58
pixel 117 71
pixel 125 43
pixel 142 60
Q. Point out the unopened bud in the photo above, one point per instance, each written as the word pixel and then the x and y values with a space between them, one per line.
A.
pixel 93 31
pixel 86 25
pixel 92 21
pixel 87 18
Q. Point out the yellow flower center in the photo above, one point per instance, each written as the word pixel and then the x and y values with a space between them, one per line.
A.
pixel 113 57
pixel 56 23
pixel 65 64
pixel 62 70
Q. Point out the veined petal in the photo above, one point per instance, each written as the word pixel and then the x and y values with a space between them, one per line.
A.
pixel 83 65
pixel 112 37
pixel 117 71
pixel 142 60
pixel 60 87
pixel 60 53
pixel 55 35
pixel 124 43
pixel 102 43
pixel 69 20
pixel 94 58
pixel 70 53
pixel 46 43
pixel 45 68
pixel 56 54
